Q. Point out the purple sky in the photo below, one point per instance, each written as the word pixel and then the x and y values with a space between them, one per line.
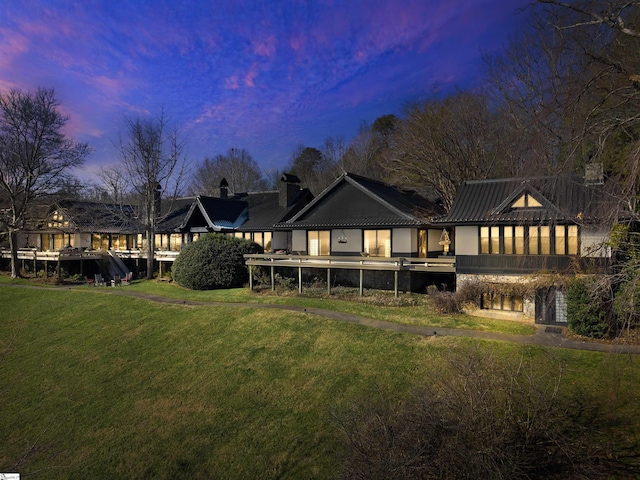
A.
pixel 260 75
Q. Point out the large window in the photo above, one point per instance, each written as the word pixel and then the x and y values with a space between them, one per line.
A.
pixel 261 238
pixel 318 242
pixel 531 240
pixel 377 243
pixel 496 301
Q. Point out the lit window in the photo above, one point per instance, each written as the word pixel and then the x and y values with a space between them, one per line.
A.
pixel 422 243
pixel 508 240
pixel 545 240
pixel 572 240
pixel 377 243
pixel 526 201
pixel 495 239
pixel 319 242
pixel 484 239
pixel 533 240
pixel 560 240
pixel 519 240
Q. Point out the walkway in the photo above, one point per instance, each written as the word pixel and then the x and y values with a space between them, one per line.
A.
pixel 545 335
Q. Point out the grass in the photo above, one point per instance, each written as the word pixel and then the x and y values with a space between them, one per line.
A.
pixel 410 309
pixel 385 307
pixel 102 386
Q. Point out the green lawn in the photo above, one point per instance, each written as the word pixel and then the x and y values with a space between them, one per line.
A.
pixel 104 386
pixel 411 315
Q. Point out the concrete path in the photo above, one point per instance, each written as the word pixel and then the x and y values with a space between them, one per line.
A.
pixel 545 335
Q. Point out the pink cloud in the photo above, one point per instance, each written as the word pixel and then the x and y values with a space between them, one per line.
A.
pixel 231 83
pixel 265 47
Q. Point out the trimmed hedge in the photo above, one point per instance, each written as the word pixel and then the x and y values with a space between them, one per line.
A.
pixel 213 261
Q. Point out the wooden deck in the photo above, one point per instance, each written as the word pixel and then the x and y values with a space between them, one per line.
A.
pixel 361 263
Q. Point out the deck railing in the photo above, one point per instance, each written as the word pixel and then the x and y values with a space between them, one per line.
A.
pixel 361 263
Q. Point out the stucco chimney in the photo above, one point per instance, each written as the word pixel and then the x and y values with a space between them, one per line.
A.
pixel 224 188
pixel 289 187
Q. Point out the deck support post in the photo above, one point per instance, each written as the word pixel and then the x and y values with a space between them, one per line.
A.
pixel 250 278
pixel 395 283
pixel 273 278
pixel 58 268
pixel 328 281
pixel 300 279
pixel 361 282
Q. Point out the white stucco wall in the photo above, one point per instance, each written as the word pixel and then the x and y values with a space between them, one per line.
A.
pixel 466 240
pixel 82 240
pixel 353 246
pixel 401 240
pixel 592 242
pixel 299 241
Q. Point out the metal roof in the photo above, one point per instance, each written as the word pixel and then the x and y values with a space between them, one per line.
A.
pixel 562 199
pixel 355 201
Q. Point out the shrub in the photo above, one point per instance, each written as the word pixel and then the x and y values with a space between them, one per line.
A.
pixel 213 261
pixel 585 309
pixel 478 415
pixel 445 302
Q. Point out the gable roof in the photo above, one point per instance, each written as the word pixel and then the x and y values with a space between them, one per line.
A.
pixel 265 209
pixel 214 214
pixel 98 217
pixel 562 199
pixel 356 201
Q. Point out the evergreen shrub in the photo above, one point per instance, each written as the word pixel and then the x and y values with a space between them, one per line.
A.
pixel 586 314
pixel 213 261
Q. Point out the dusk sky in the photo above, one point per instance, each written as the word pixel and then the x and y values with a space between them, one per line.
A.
pixel 261 75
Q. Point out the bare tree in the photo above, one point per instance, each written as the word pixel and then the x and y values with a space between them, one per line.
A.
pixel 238 167
pixel 334 149
pixel 114 182
pixel 153 160
pixel 35 156
pixel 571 87
pixel 442 143
pixel 362 154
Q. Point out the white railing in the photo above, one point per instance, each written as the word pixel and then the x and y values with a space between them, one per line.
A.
pixel 361 263
pixel 440 264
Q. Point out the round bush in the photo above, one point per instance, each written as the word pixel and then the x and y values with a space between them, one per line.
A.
pixel 213 261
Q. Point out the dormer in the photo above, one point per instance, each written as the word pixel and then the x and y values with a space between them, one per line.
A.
pixel 526 200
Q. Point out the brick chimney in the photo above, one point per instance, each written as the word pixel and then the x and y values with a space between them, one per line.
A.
pixel 289 187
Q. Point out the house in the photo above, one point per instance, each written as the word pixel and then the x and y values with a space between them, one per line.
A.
pixel 249 215
pixel 361 224
pixel 108 235
pixel 514 231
